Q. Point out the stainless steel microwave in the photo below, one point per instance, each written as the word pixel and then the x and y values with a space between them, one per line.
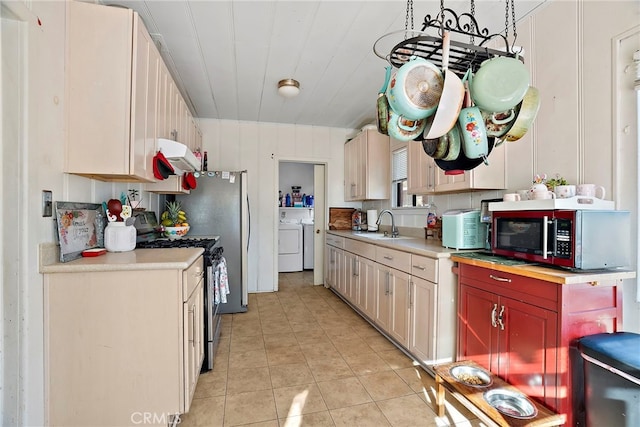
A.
pixel 580 239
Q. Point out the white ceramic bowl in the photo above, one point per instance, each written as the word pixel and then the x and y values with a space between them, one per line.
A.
pixel 176 232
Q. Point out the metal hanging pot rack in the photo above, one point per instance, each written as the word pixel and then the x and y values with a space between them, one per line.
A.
pixel 462 56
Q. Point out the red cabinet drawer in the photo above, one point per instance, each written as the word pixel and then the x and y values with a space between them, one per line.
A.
pixel 533 291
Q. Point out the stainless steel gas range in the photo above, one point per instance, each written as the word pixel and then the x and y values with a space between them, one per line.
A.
pixel 149 238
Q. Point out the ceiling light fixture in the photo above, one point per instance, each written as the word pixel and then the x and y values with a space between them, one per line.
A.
pixel 288 88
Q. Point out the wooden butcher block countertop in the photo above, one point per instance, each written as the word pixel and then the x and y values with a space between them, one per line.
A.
pixel 538 271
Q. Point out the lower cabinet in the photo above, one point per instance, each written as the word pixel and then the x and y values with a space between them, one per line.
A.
pixel 522 329
pixel 119 344
pixel 422 297
pixel 407 296
pixel 392 314
pixel 193 341
pixel 334 268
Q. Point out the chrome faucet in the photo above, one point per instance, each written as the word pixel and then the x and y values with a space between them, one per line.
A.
pixel 394 230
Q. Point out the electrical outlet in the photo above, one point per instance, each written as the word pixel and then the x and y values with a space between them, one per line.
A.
pixel 47 203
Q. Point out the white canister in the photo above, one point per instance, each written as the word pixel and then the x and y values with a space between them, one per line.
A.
pixel 119 237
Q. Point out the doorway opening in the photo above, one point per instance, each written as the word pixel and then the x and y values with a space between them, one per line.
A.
pixel 301 213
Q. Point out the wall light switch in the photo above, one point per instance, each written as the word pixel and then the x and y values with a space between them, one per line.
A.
pixel 47 203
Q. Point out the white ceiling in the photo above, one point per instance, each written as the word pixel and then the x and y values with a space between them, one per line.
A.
pixel 228 56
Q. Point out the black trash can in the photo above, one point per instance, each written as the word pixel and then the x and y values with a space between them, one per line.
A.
pixel 611 379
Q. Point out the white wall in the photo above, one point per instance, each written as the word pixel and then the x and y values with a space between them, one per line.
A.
pixel 259 148
pixel 298 174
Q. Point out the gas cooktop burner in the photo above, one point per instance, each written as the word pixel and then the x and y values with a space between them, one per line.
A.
pixel 196 242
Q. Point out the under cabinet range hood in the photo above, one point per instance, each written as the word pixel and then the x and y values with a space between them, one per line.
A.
pixel 179 155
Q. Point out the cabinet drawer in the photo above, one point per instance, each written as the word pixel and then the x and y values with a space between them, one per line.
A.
pixel 363 249
pixel 424 267
pixel 395 259
pixel 537 292
pixel 336 241
pixel 191 277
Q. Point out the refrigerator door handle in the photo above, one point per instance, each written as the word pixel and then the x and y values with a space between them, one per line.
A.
pixel 246 225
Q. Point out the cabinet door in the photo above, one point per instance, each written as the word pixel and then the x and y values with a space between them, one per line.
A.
pixel 367 287
pixel 350 276
pixel 341 282
pixel 399 304
pixel 332 267
pixel 193 334
pixel 162 107
pixel 528 349
pixel 423 311
pixel 420 170
pixel 477 337
pixel 383 304
pixel 483 177
pixel 352 169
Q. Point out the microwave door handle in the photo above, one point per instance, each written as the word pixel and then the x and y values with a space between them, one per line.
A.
pixel 545 236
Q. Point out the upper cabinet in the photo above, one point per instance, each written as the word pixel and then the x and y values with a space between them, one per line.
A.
pixel 483 177
pixel 425 177
pixel 422 171
pixel 367 167
pixel 119 95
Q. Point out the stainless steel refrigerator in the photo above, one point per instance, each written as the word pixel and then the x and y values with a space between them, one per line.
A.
pixel 219 206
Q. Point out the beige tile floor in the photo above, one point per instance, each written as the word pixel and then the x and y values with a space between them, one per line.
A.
pixel 302 357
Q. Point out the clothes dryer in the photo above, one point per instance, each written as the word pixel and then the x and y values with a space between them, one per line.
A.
pixel 290 247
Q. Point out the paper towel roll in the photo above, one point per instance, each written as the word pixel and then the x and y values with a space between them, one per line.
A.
pixel 372 216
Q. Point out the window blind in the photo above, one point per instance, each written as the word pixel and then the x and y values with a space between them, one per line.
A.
pixel 399 165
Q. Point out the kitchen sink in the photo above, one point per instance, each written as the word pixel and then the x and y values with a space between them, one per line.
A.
pixel 377 236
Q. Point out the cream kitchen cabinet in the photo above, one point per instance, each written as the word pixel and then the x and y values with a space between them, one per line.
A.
pixel 112 81
pixel 367 167
pixel 119 342
pixel 422 172
pixel 358 271
pixel 410 297
pixel 483 177
pixel 334 268
pixel 392 286
pixel 120 96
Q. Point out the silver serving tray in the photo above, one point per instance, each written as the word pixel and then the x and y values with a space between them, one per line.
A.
pixel 459 373
pixel 511 403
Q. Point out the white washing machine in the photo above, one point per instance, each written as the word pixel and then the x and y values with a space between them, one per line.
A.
pixel 307 236
pixel 290 246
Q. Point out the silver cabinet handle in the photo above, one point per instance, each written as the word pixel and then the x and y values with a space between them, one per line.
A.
pixel 419 267
pixel 493 316
pixel 500 279
pixel 500 317
pixel 388 257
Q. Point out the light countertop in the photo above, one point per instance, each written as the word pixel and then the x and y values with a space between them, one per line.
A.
pixel 417 245
pixel 434 249
pixel 138 259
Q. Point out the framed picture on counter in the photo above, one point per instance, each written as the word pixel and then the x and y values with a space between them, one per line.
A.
pixel 80 227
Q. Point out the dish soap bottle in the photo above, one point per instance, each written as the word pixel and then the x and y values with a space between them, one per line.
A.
pixel 432 215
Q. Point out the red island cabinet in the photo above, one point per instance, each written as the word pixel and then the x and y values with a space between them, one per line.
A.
pixel 521 328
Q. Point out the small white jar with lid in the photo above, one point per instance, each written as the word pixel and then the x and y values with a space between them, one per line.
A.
pixel 119 237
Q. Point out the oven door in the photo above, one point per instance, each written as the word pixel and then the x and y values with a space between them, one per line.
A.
pixel 527 235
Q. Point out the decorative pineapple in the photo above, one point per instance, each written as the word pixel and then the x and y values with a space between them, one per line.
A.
pixel 174 216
